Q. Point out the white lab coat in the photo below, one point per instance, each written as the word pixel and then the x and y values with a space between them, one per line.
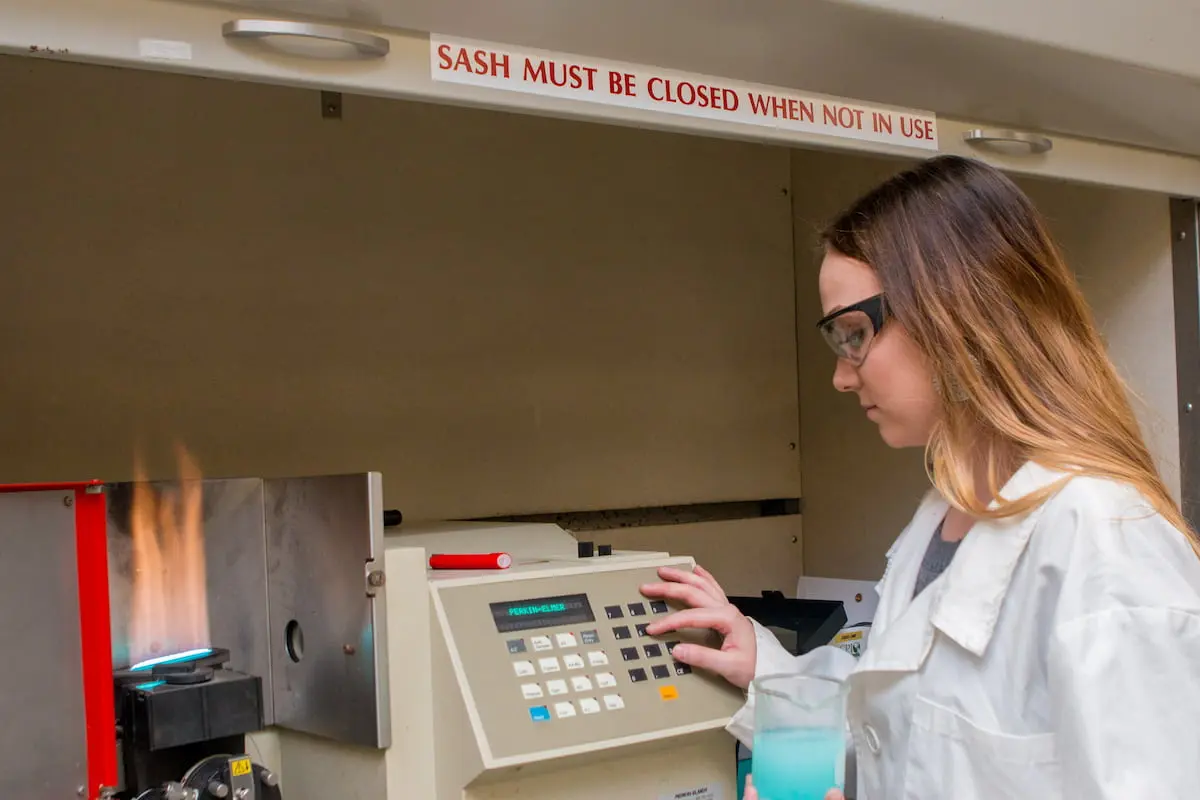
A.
pixel 1058 656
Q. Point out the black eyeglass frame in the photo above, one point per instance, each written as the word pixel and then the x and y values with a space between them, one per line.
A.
pixel 875 307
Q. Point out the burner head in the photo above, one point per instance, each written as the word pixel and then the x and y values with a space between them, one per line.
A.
pixel 193 666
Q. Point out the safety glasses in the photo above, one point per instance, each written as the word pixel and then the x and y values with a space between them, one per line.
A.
pixel 849 331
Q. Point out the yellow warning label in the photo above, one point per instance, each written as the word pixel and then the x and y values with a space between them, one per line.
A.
pixel 848 636
pixel 239 766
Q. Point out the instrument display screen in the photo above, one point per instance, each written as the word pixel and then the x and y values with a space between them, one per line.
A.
pixel 542 612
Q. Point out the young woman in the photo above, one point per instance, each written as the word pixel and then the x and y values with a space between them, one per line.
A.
pixel 1038 631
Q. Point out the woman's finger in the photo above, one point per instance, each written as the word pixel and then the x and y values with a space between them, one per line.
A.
pixel 719 619
pixel 750 793
pixel 704 584
pixel 708 576
pixel 683 592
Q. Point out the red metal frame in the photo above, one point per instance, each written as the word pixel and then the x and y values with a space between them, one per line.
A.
pixel 91 555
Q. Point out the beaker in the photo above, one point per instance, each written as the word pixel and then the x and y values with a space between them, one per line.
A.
pixel 799 748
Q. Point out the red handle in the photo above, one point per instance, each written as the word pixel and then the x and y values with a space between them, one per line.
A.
pixel 470 561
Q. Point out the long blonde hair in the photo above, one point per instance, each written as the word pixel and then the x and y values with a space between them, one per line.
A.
pixel 970 271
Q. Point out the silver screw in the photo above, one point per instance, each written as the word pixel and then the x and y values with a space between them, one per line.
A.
pixel 242 793
pixel 376 577
pixel 270 779
pixel 1187 408
pixel 218 789
pixel 67 501
pixel 81 790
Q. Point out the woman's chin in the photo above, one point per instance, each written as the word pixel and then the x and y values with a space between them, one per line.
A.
pixel 897 438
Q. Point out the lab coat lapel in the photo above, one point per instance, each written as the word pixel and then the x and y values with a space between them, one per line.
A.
pixel 974 586
pixel 901 633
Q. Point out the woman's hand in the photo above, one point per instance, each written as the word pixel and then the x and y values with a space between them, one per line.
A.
pixel 709 609
pixel 750 794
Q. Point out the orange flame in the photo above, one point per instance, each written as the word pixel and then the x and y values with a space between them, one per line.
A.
pixel 170 602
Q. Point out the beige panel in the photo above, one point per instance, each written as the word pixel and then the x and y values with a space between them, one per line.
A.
pixel 500 313
pixel 745 556
pixel 858 492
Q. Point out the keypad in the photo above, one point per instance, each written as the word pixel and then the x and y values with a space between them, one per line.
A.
pixel 582 691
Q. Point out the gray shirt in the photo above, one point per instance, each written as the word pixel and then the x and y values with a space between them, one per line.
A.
pixel 938 556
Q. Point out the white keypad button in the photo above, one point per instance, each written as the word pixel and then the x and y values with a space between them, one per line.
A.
pixel 548 664
pixel 556 687
pixel 580 683
pixel 563 710
pixel 565 639
pixel 588 705
pixel 598 658
pixel 523 668
pixel 605 680
pixel 541 643
pixel 531 690
pixel 573 661
pixel 613 702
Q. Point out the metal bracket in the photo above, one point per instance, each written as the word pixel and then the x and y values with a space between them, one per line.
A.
pixel 375 578
pixel 331 105
pixel 1185 262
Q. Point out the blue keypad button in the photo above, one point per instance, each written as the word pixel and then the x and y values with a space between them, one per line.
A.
pixel 540 714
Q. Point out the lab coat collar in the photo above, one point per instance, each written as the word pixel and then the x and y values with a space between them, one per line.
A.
pixel 964 602
pixel 972 590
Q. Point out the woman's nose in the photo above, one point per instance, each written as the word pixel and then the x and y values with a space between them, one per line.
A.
pixel 845 376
